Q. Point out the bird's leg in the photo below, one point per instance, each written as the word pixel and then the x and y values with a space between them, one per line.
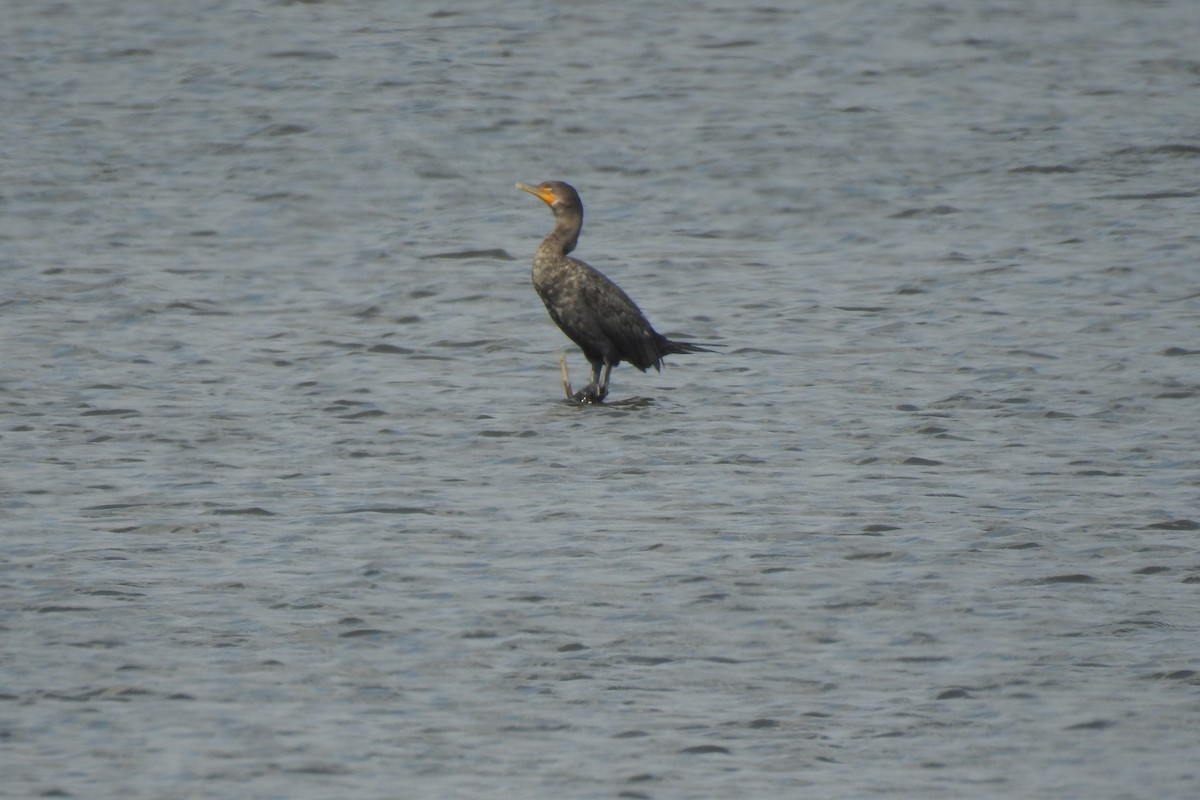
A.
pixel 598 388
pixel 603 390
pixel 566 376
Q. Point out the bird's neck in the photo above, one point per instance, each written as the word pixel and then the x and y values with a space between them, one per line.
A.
pixel 565 235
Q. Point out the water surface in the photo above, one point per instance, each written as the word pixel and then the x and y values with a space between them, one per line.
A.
pixel 292 505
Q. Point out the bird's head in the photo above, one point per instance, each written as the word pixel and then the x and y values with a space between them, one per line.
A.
pixel 559 196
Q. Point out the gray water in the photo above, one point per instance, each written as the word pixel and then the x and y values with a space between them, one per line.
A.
pixel 292 506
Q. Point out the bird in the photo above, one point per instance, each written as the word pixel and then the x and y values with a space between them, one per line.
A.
pixel 587 306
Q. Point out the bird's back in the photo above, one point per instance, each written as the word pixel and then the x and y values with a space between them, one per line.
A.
pixel 595 313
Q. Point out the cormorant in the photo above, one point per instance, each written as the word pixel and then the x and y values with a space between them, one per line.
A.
pixel 589 308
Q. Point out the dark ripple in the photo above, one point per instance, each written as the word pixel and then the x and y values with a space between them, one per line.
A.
pixel 387 510
pixel 706 749
pixel 1174 525
pixel 1037 169
pixel 249 511
pixel 1055 579
pixel 461 255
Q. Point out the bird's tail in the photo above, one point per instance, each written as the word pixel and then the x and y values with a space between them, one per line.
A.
pixel 672 347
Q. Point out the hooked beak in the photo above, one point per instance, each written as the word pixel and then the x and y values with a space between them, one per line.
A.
pixel 547 196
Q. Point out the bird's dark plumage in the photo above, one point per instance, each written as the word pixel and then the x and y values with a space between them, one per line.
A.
pixel 589 308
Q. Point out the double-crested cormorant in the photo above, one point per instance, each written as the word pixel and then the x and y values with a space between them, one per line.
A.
pixel 589 308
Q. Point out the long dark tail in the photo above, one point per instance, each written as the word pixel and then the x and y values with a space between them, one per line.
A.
pixel 669 347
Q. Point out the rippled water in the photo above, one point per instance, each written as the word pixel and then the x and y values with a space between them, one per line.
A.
pixel 292 507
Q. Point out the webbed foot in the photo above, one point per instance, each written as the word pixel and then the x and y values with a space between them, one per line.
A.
pixel 590 394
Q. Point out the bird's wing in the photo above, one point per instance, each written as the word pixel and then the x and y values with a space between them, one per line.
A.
pixel 619 318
